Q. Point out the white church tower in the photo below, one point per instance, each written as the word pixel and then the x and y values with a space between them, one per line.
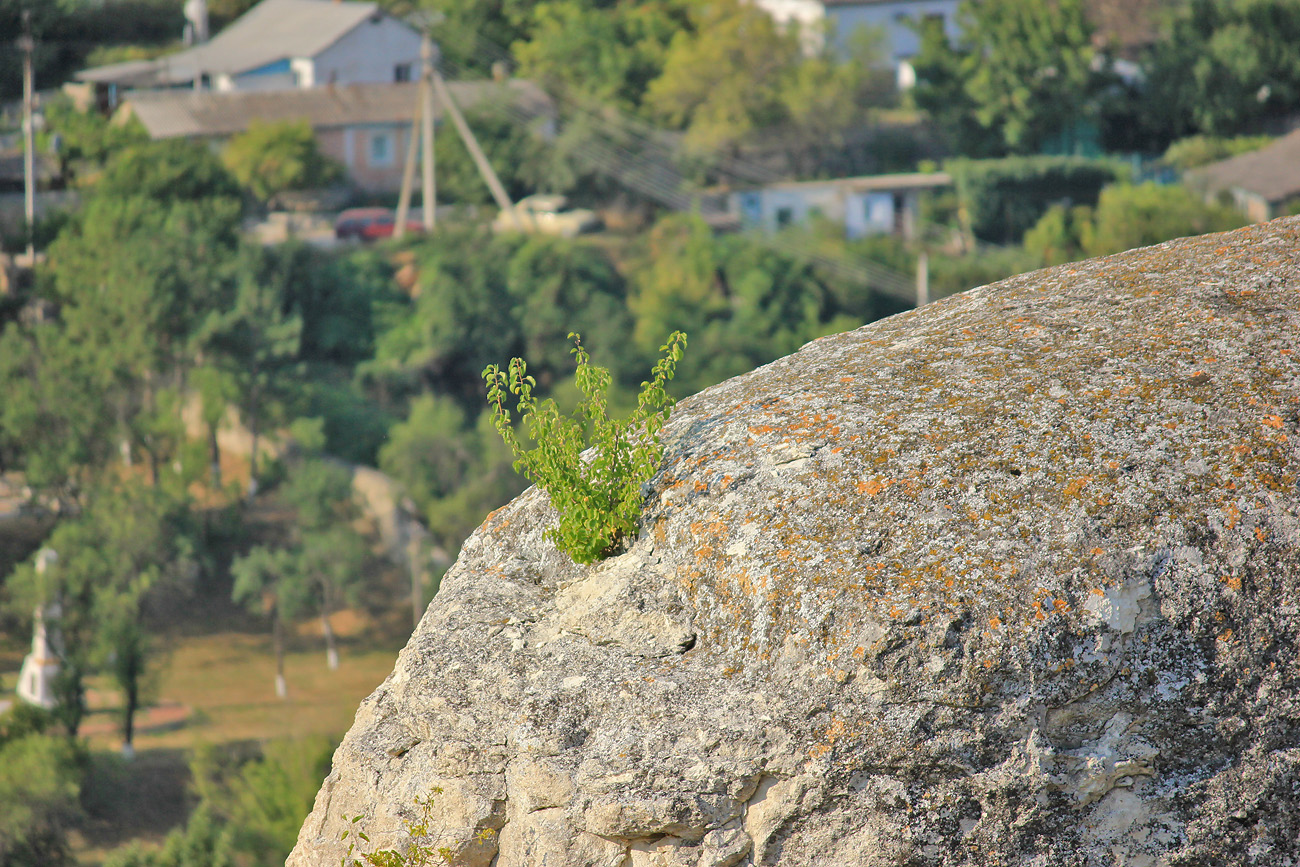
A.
pixel 36 681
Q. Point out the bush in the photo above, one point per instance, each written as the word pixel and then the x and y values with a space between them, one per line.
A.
pixel 275 157
pixel 599 500
pixel 39 790
pixel 1199 150
pixel 1004 198
pixel 1126 216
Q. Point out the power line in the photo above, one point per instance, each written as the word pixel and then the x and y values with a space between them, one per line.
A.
pixel 646 159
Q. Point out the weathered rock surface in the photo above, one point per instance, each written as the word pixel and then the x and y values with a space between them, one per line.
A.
pixel 1011 579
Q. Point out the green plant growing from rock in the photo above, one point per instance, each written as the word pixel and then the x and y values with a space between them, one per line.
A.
pixel 424 850
pixel 598 498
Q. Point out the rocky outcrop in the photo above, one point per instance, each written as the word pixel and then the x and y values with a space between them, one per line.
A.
pixel 1010 579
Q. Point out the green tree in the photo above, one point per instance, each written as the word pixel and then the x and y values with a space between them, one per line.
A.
pixel 941 91
pixel 1126 216
pixel 459 320
pixel 723 77
pixel 273 157
pixel 1022 71
pixel 454 470
pixel 1129 216
pixel 265 584
pixel 600 56
pixel 746 304
pixel 118 562
pixel 1228 67
pixel 255 349
pixel 56 424
pixel 39 790
pixel 472 33
pixel 203 842
pixel 137 281
pixel 249 808
pixel 166 171
pixel 557 286
pixel 321 566
pixel 87 136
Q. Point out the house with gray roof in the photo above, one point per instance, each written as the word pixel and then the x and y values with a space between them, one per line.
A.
pixel 1263 184
pixel 365 127
pixel 279 45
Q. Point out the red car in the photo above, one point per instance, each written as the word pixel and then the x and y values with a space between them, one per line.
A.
pixel 369 224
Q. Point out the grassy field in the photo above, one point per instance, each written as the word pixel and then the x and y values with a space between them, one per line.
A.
pixel 213 688
pixel 212 682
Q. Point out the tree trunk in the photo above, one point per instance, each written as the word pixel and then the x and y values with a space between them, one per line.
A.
pixel 252 456
pixel 331 649
pixel 214 457
pixel 131 699
pixel 277 638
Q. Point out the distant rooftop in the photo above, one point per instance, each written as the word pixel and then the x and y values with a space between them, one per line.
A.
pixel 204 114
pixel 271 31
pixel 873 183
pixel 1272 172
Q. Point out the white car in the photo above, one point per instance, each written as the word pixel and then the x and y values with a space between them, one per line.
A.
pixel 548 214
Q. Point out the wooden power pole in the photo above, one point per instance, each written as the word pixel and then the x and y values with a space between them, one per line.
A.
pixel 422 129
pixel 429 198
pixel 431 82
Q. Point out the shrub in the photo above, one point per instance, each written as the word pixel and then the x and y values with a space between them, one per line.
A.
pixel 599 499
pixel 423 834
pixel 1200 150
pixel 1004 198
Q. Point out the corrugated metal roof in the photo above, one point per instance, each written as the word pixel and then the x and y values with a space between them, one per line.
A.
pixel 271 31
pixel 1272 172
pixel 872 183
pixel 207 114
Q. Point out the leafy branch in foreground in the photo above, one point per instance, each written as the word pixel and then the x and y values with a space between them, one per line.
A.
pixel 599 499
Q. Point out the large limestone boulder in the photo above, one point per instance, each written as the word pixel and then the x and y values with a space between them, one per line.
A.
pixel 1010 579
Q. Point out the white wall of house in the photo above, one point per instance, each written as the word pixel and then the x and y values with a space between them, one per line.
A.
pixel 861 212
pixel 808 15
pixel 369 53
pixel 893 19
pixel 817 20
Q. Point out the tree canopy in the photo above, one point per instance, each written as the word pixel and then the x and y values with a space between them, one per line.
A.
pixel 270 158
pixel 1021 73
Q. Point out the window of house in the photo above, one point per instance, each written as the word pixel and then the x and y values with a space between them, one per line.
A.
pixel 381 149
pixel 402 72
pixel 784 217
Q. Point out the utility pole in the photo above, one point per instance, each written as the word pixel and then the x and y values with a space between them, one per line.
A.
pixel 923 279
pixel 408 171
pixel 471 144
pixel 28 45
pixel 421 128
pixel 429 196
